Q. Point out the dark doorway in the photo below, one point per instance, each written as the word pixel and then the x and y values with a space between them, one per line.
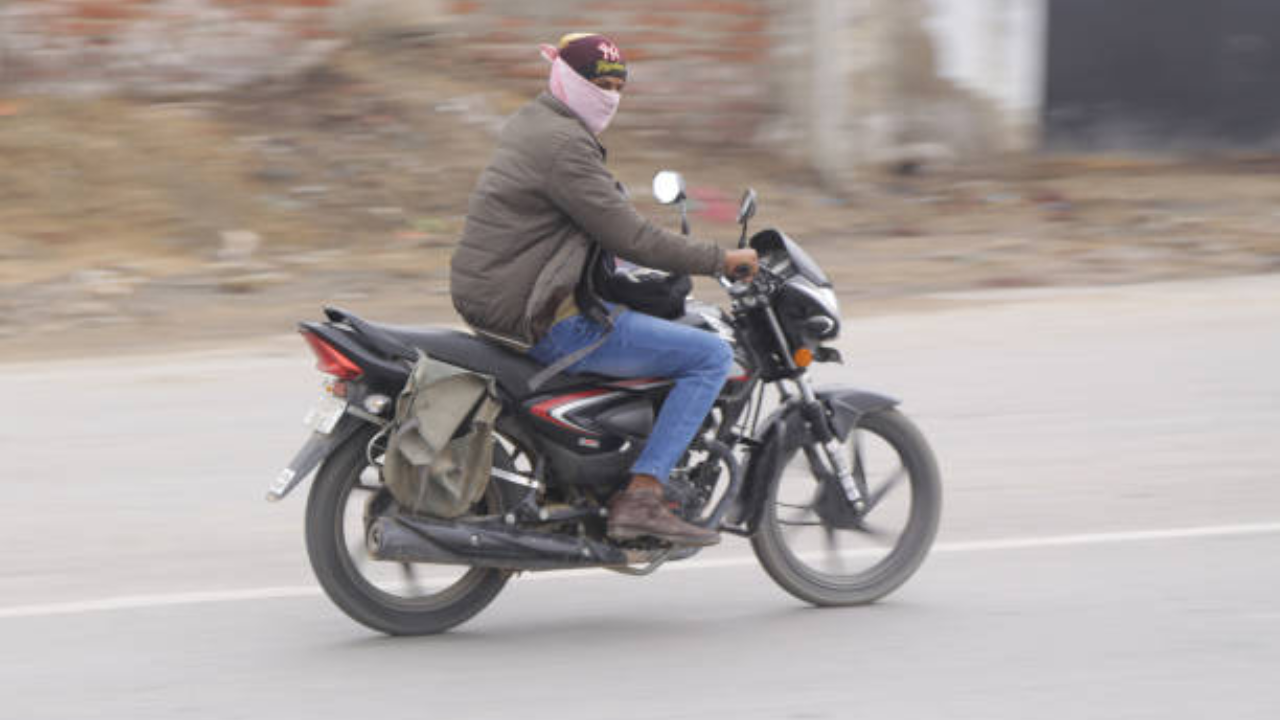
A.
pixel 1163 75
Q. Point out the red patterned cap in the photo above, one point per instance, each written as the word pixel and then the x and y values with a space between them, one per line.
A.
pixel 593 56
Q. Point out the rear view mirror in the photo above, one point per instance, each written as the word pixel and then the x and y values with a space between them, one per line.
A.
pixel 748 208
pixel 668 187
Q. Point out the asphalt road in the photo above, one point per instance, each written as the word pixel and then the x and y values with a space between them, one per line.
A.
pixel 1109 544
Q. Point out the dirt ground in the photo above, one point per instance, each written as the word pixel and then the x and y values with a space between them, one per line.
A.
pixel 148 224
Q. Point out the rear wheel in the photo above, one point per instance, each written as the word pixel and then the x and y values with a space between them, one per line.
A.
pixel 813 545
pixel 394 598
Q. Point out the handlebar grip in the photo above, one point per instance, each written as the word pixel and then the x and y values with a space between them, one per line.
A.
pixel 740 272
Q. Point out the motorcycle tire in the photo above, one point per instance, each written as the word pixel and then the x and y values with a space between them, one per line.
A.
pixel 328 551
pixel 820 589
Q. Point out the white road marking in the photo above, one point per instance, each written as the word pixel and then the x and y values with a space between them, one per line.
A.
pixel 132 602
pixel 1105 538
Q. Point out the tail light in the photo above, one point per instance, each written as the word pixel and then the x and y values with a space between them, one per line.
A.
pixel 329 361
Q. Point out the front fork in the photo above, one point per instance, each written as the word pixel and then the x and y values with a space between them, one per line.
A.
pixel 816 413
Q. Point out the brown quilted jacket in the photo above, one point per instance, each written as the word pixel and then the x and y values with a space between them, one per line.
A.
pixel 536 209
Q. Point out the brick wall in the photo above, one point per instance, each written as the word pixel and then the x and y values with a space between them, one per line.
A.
pixel 700 69
pixel 836 83
pixel 158 46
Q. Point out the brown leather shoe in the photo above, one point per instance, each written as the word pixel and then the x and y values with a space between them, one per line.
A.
pixel 642 513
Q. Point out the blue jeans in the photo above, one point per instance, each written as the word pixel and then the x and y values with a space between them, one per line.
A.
pixel 643 346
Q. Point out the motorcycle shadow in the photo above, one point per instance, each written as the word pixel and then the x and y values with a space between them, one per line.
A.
pixel 632 624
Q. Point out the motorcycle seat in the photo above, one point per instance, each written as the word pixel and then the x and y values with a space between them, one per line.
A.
pixel 511 369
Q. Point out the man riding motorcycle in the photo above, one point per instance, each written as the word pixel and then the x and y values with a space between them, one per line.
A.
pixel 537 210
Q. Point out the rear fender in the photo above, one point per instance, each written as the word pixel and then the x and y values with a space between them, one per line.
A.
pixel 314 451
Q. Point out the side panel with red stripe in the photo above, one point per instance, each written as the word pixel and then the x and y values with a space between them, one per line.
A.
pixel 573 419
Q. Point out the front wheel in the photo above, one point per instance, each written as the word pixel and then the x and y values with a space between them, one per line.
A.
pixel 813 545
pixel 394 598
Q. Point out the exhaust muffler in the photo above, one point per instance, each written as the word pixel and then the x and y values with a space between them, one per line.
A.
pixel 401 538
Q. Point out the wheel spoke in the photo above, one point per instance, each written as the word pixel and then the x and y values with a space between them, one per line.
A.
pixel 877 535
pixel 411 585
pixel 832 542
pixel 358 553
pixel 859 468
pixel 894 481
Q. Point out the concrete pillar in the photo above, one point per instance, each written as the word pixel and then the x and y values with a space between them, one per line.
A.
pixel 828 96
pixel 874 83
pixel 832 84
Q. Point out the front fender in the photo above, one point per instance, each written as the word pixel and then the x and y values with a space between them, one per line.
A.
pixel 785 430
pixel 846 405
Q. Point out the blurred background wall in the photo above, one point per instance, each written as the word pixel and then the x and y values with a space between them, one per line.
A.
pixel 834 83
pixel 839 84
pixel 158 47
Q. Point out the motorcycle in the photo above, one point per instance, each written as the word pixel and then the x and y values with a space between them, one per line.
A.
pixel 826 467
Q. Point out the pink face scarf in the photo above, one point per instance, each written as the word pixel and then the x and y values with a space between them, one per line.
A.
pixel 593 104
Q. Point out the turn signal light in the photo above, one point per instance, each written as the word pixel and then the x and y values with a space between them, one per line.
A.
pixel 803 357
pixel 329 361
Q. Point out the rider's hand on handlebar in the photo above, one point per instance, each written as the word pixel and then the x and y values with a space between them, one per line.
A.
pixel 741 264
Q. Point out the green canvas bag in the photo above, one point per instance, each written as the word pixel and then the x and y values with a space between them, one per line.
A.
pixel 440 445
